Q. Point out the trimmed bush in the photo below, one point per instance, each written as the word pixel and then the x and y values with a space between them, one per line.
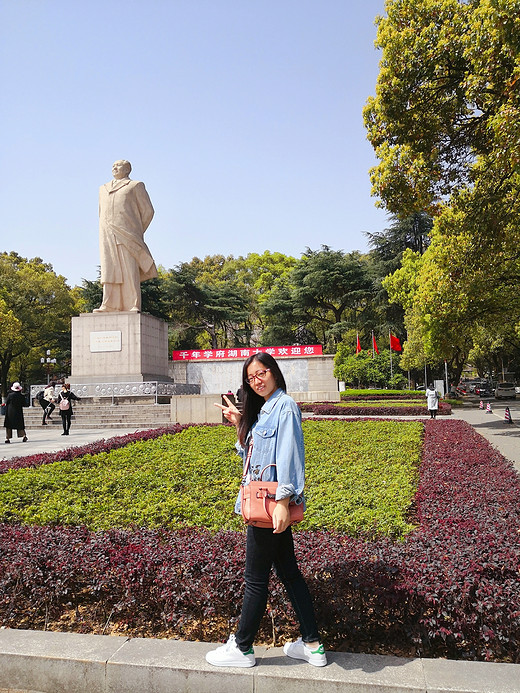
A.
pixel 89 449
pixel 348 395
pixel 334 409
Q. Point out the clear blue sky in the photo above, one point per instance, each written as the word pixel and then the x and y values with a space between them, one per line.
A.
pixel 242 117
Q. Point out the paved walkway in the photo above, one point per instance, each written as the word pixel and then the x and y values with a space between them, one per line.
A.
pixel 503 436
pixel 45 662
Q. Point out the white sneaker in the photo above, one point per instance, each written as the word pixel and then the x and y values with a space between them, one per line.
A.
pixel 299 650
pixel 229 655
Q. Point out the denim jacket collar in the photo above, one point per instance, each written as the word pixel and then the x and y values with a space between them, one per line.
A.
pixel 267 407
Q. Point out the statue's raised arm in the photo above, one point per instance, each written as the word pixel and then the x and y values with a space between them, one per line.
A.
pixel 125 212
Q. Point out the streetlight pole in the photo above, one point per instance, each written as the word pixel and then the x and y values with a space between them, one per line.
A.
pixel 48 363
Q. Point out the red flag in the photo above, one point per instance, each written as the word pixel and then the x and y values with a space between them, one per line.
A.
pixel 374 344
pixel 358 345
pixel 395 344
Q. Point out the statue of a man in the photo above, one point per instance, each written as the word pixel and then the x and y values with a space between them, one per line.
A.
pixel 125 212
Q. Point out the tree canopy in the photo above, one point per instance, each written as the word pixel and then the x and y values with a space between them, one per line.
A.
pixel 324 295
pixel 445 126
pixel 35 310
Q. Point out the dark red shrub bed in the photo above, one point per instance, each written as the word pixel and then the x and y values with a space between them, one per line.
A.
pixel 331 409
pixel 451 589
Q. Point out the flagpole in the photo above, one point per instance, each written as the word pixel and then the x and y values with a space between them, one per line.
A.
pixel 391 365
pixel 373 355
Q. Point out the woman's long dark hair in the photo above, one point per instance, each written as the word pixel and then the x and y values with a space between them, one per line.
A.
pixel 252 401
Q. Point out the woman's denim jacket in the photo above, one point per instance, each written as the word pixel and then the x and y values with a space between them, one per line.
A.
pixel 277 439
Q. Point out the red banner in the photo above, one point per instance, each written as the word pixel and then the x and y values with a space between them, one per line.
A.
pixel 246 352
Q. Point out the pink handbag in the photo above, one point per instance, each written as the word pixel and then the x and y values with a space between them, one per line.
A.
pixel 257 499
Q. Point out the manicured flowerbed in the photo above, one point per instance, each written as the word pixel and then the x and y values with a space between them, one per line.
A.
pixel 191 478
pixel 450 589
pixel 365 395
pixel 370 409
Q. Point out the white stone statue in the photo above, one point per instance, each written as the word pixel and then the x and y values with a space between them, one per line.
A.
pixel 125 212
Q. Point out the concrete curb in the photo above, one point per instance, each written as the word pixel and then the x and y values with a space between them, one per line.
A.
pixel 47 662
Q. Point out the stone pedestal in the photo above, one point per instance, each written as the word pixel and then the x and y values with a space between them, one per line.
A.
pixel 119 347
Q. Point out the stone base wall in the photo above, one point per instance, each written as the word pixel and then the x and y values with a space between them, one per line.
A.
pixel 141 355
pixel 302 375
pixel 201 408
pixel 195 409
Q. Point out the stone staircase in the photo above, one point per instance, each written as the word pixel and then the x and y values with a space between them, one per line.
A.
pixel 96 415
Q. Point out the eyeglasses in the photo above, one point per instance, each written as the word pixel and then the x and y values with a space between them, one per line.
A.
pixel 259 374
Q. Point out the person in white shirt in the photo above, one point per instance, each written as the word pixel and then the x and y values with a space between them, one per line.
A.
pixel 47 403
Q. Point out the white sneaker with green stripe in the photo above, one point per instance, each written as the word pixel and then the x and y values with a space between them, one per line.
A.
pixel 299 650
pixel 229 655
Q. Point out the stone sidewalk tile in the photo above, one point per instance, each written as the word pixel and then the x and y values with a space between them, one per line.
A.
pixel 144 665
pixel 50 662
pixel 450 676
pixel 344 673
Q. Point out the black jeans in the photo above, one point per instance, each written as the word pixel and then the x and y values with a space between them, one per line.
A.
pixel 263 549
pixel 47 405
pixel 65 420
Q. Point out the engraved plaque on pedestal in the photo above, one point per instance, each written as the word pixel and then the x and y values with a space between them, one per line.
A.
pixel 119 347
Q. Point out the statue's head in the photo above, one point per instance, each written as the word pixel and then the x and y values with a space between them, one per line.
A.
pixel 121 168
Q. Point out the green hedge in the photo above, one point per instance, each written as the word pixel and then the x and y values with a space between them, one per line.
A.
pixel 382 393
pixel 361 478
pixel 377 403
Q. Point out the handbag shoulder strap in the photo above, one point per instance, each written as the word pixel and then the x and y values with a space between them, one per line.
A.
pixel 248 460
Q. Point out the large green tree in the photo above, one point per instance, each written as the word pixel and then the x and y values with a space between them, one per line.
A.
pixel 326 293
pixel 35 310
pixel 445 124
pixel 368 369
pixel 204 310
pixel 412 232
pixel 447 93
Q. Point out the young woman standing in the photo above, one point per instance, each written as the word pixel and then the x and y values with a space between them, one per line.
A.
pixel 65 406
pixel 271 424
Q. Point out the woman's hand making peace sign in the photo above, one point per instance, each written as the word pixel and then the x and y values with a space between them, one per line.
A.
pixel 230 412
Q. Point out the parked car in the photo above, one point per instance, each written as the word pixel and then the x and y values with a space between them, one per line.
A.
pixel 474 384
pixel 483 390
pixel 505 391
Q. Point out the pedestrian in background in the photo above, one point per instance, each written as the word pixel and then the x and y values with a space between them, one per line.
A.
pixel 432 397
pixel 47 403
pixel 14 413
pixel 65 406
